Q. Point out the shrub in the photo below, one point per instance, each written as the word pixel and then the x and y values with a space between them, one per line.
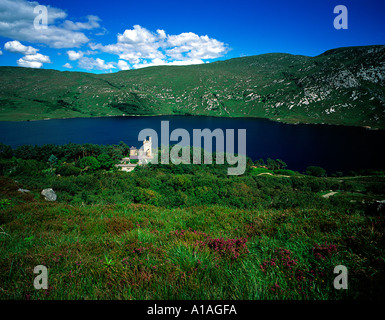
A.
pixel 315 171
pixel 105 161
pixel 89 163
pixel 28 167
pixel 5 151
pixel 68 169
pixel 232 248
pixel 323 251
pixel 286 172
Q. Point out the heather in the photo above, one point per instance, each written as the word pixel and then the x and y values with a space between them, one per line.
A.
pixel 186 231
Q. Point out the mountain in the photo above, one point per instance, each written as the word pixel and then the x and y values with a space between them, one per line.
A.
pixel 342 86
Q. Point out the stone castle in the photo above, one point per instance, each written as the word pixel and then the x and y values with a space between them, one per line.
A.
pixel 143 155
pixel 145 152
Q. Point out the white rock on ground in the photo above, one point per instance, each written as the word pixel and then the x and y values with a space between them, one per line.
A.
pixel 49 194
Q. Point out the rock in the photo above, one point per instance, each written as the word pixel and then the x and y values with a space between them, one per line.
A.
pixel 23 190
pixel 376 208
pixel 49 194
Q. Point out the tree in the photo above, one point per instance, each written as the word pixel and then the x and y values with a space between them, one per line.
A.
pixel 315 171
pixel 125 149
pixel 68 169
pixel 105 161
pixel 260 163
pixel 52 160
pixel 89 163
pixel 5 151
pixel 271 164
pixel 281 164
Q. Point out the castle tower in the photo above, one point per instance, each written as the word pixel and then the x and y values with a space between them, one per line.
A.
pixel 147 147
pixel 133 151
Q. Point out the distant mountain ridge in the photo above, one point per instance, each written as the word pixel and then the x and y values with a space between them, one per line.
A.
pixel 344 86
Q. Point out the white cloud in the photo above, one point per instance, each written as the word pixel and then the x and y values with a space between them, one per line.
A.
pixel 76 55
pixel 92 23
pixel 154 62
pixel 135 44
pixel 136 35
pixel 190 45
pixel 185 62
pixel 37 57
pixel 102 32
pixel 94 64
pixel 133 57
pixel 141 47
pixel 17 22
pixel 29 64
pixel 123 65
pixel 22 10
pixel 160 62
pixel 1 52
pixel 73 55
pixel 67 65
pixel 16 47
pixel 161 34
pixel 31 59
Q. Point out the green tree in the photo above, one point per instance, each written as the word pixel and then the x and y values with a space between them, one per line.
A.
pixel 89 163
pixel 67 169
pixel 52 160
pixel 315 171
pixel 281 164
pixel 260 163
pixel 105 161
pixel 271 164
pixel 5 151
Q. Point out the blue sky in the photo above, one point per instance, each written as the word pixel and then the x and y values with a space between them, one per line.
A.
pixel 108 36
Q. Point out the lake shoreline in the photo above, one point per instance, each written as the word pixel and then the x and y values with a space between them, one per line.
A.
pixel 336 148
pixel 200 115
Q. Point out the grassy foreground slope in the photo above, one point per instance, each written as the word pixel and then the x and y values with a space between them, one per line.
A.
pixel 187 232
pixel 341 86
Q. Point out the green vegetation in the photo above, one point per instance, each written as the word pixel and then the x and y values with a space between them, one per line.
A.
pixel 183 231
pixel 341 86
pixel 315 171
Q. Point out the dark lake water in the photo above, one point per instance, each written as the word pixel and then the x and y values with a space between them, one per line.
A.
pixel 335 148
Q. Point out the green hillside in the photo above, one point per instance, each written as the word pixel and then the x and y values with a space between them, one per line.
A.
pixel 341 86
pixel 184 232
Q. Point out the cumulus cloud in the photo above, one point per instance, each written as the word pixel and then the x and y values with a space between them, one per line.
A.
pixel 76 55
pixel 160 62
pixel 31 59
pixel 29 64
pixel 92 23
pixel 37 57
pixel 17 22
pixel 137 47
pixel 73 55
pixel 134 45
pixel 67 65
pixel 16 47
pixel 137 35
pixel 141 47
pixel 1 52
pixel 123 65
pixel 94 64
pixel 185 62
pixel 190 45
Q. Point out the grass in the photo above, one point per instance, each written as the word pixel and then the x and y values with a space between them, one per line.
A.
pixel 131 250
pixel 257 171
